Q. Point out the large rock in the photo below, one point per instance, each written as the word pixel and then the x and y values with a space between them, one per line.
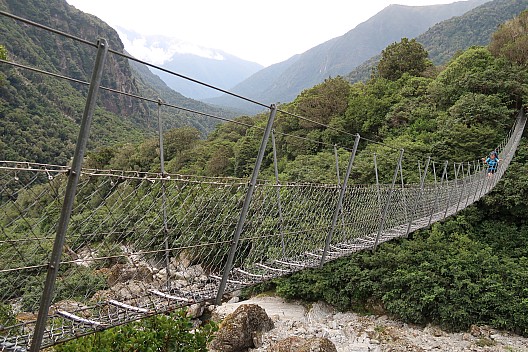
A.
pixel 299 344
pixel 242 329
pixel 124 273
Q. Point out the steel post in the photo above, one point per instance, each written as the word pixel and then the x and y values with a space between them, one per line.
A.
pixel 338 173
pixel 448 200
pixel 69 196
pixel 437 189
pixel 406 213
pixel 377 183
pixel 387 204
pixel 471 183
pixel 420 194
pixel 245 206
pixel 461 172
pixel 279 204
pixel 450 192
pixel 340 200
pixel 163 195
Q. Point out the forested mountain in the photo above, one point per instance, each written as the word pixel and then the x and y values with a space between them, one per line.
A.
pixel 339 56
pixel 39 114
pixel 213 66
pixel 446 38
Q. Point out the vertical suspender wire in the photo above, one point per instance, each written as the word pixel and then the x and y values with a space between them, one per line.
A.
pixel 451 190
pixel 475 173
pixel 164 196
pixel 279 204
pixel 471 182
pixel 404 199
pixel 69 196
pixel 377 184
pixel 480 175
pixel 484 178
pixel 437 191
pixel 461 167
pixel 338 173
pixel 420 194
pixel 387 204
pixel 245 206
pixel 448 200
pixel 339 204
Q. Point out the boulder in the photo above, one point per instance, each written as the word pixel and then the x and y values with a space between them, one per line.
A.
pixel 320 311
pixel 195 310
pixel 70 306
pixel 242 329
pixel 299 344
pixel 121 292
pixel 125 272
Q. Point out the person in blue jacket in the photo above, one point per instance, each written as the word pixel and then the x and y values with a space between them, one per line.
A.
pixel 492 161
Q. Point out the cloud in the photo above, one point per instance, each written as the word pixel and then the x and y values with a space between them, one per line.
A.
pixel 158 49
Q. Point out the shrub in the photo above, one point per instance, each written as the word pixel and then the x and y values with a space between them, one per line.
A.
pixel 163 333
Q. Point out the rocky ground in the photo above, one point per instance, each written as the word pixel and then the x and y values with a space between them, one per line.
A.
pixel 351 332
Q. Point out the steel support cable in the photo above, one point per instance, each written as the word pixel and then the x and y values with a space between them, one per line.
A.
pixel 164 70
pixel 126 56
pixel 151 100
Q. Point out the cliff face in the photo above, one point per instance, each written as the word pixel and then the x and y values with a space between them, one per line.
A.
pixel 58 54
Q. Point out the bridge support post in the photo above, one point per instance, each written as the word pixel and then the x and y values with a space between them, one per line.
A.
pixel 387 204
pixel 420 195
pixel 378 195
pixel 340 201
pixel 437 191
pixel 461 167
pixel 450 192
pixel 245 206
pixel 471 178
pixel 404 198
pixel 69 197
pixel 277 181
pixel 163 195
pixel 338 173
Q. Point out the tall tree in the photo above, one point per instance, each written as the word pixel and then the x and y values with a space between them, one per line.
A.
pixel 407 56
pixel 511 40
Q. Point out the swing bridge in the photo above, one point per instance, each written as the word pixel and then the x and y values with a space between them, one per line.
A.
pixel 166 241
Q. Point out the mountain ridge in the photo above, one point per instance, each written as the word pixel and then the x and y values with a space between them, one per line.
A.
pixel 340 55
pixel 216 67
pixel 448 37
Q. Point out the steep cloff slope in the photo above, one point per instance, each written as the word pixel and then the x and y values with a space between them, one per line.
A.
pixel 39 114
pixel 341 55
pixel 446 38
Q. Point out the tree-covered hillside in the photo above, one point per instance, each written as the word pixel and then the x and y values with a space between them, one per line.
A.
pixel 39 114
pixel 448 37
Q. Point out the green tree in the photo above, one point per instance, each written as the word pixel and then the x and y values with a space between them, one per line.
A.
pixel 511 40
pixel 406 56
pixel 3 53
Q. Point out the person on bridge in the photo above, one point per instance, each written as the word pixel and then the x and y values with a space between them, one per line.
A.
pixel 492 161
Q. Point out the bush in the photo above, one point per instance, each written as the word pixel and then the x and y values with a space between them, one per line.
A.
pixel 443 276
pixel 158 333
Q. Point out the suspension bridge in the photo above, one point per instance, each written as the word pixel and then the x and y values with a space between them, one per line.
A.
pixel 165 241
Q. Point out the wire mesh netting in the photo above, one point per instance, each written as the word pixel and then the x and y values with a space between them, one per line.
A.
pixel 143 243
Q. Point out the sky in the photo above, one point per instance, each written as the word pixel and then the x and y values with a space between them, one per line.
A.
pixel 265 32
